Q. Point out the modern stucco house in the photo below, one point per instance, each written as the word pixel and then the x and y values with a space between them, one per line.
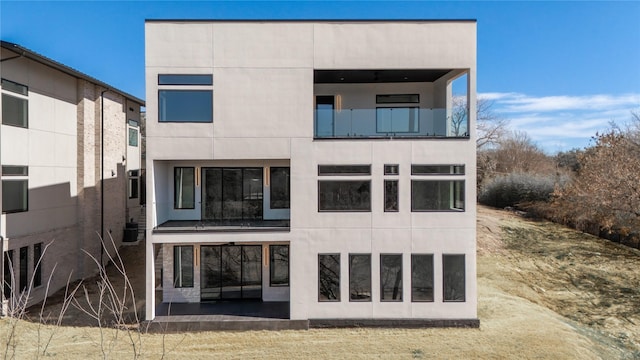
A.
pixel 67 139
pixel 315 163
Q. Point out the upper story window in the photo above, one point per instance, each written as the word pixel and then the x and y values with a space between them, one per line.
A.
pixel 15 188
pixel 437 169
pixel 133 133
pixel 344 195
pixel 185 98
pixel 15 104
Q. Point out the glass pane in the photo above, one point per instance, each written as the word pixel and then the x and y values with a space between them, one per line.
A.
pixel 8 273
pixel 329 277
pixel 391 169
pixel 391 277
pixel 231 272
pixel 324 116
pixel 421 277
pixel 133 137
pixel 212 197
pixel 359 277
pixel 15 87
pixel 23 268
pixel 280 188
pixel 12 170
pixel 396 99
pixel 184 192
pixel 15 111
pixel 252 272
pixel 390 195
pixel 210 281
pixel 37 262
pixel 14 196
pixel 183 266
pixel 232 194
pixel 252 194
pixel 344 169
pixel 344 195
pixel 397 120
pixel 181 79
pixel 133 188
pixel 186 105
pixel 279 265
pixel 437 169
pixel 453 277
pixel 437 195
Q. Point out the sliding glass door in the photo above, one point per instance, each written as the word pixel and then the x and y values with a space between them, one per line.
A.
pixel 231 272
pixel 232 194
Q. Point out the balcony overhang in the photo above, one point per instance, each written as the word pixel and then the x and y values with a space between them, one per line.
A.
pixel 377 76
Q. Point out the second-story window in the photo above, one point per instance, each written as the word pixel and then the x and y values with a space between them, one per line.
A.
pixel 185 98
pixel 15 104
pixel 15 188
pixel 339 194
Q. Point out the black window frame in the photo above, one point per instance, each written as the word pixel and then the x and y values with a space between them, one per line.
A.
pixel 174 79
pixel 23 268
pixel 37 264
pixel 344 170
pixel 329 210
pixel 178 249
pixel 397 99
pixel 5 108
pixel 8 274
pixel 397 290
pixel 273 261
pixel 352 281
pixel 136 137
pixel 25 186
pixel 193 185
pixel 208 120
pixel 10 170
pixel 413 278
pixel 456 184
pixel 273 203
pixel 392 169
pixel 444 277
pixel 453 169
pixel 335 260
pixel 387 206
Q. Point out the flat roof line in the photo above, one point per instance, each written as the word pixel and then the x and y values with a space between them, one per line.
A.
pixel 311 20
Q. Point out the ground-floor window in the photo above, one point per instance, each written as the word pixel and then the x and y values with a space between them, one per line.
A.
pixel 8 274
pixel 391 277
pixel 359 277
pixel 453 277
pixel 183 266
pixel 37 264
pixel 279 265
pixel 421 277
pixel 24 268
pixel 329 277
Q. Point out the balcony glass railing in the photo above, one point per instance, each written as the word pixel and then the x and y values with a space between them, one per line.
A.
pixel 389 122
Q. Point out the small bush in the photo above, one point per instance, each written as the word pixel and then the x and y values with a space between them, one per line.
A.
pixel 518 188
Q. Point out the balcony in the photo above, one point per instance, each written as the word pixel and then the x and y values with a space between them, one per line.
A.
pixel 390 122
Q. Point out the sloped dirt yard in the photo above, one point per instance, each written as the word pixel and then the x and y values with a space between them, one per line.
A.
pixel 545 292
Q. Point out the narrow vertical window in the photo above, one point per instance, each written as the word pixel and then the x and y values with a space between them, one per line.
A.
pixel 37 264
pixel 391 195
pixel 24 268
pixel 184 188
pixel 453 270
pixel 279 265
pixel 421 277
pixel 183 266
pixel 359 277
pixel 280 187
pixel 8 274
pixel 133 137
pixel 329 277
pixel 391 277
pixel 134 184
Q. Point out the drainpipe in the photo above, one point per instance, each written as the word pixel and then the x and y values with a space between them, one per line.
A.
pixel 102 174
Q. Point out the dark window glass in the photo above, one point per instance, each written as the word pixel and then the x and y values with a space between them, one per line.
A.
pixel 279 265
pixel 391 195
pixel 359 277
pixel 437 195
pixel 8 274
pixel 181 79
pixel 134 173
pixel 397 98
pixel 397 120
pixel 344 170
pixel 15 87
pixel 421 277
pixel 325 126
pixel 15 111
pixel 24 266
pixel 338 195
pixel 183 266
pixel 453 277
pixel 391 169
pixel 12 170
pixel 133 188
pixel 437 169
pixel 37 263
pixel 391 277
pixel 133 137
pixel 185 105
pixel 280 187
pixel 232 193
pixel 184 188
pixel 15 196
pixel 329 277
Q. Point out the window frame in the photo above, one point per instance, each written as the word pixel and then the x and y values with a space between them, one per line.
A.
pixel 25 182
pixel 452 169
pixel 178 249
pixel 184 91
pixel 464 278
pixel 272 268
pixel 344 170
pixel 193 186
pixel 339 279
pixel 389 169
pixel 397 198
pixel 454 183
pixel 388 99
pixel 288 188
pixel 23 268
pixel 37 264
pixel 364 181
pixel 351 276
pixel 186 76
pixel 413 294
pixel 382 288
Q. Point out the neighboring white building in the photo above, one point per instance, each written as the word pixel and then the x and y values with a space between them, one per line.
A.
pixel 316 163
pixel 51 157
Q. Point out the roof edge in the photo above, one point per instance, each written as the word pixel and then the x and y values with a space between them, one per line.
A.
pixel 311 20
pixel 32 55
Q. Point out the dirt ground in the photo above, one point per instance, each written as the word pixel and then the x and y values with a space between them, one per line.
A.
pixel 545 292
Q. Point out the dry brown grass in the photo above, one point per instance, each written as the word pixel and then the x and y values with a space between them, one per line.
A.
pixel 543 293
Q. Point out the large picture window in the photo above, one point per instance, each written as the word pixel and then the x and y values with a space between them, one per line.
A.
pixel 183 266
pixel 15 104
pixel 185 106
pixel 359 277
pixel 437 195
pixel 329 277
pixel 184 188
pixel 421 277
pixel 279 265
pixel 280 187
pixel 453 273
pixel 344 195
pixel 390 277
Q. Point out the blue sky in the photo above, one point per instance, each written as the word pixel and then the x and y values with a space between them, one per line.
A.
pixel 558 70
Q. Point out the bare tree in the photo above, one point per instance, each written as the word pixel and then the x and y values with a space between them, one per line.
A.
pixel 490 126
